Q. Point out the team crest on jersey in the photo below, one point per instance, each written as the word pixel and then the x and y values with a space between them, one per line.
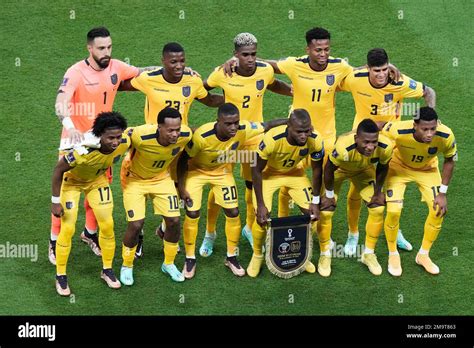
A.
pixel 388 97
pixel 114 79
pixel 260 84
pixel 175 151
pixel 304 152
pixel 390 193
pixel 253 125
pixel 335 154
pixel 374 160
pixel 235 146
pixel 412 84
pixel 64 83
pixel 432 150
pixel 70 157
pixel 186 91
pixel 69 205
pixel 330 79
pixel 261 146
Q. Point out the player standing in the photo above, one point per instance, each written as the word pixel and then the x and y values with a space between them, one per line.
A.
pixel 415 159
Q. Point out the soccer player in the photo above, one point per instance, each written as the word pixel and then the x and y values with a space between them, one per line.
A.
pixel 210 154
pixel 170 86
pixel 415 159
pixel 245 89
pixel 83 170
pixel 378 97
pixel 280 159
pixel 146 175
pixel 361 157
pixel 88 88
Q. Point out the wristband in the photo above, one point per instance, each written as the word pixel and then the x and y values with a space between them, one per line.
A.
pixel 443 189
pixel 67 123
pixel 330 193
pixel 315 200
pixel 55 199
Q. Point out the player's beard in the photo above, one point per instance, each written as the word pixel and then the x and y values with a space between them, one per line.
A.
pixel 102 63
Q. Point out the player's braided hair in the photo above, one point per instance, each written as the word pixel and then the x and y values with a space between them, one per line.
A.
pixel 244 39
pixel 108 120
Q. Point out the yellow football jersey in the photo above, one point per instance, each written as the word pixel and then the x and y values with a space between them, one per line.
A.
pixel 348 159
pixel 88 164
pixel 284 158
pixel 161 93
pixel 212 156
pixel 315 91
pixel 382 104
pixel 245 92
pixel 149 160
pixel 412 154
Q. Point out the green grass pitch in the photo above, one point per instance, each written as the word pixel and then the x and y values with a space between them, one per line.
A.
pixel 428 40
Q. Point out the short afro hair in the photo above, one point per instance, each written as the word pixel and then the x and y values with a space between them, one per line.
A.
pixel 244 39
pixel 108 120
pixel 317 34
pixel 227 109
pixel 377 57
pixel 367 126
pixel 97 32
pixel 168 112
pixel 172 47
pixel 426 114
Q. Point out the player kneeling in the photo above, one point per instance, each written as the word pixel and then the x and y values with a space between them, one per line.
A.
pixel 361 158
pixel 145 175
pixel 209 154
pixel 280 165
pixel 83 170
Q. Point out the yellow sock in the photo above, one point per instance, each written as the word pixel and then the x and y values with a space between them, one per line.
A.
pixel 190 230
pixel 63 247
pixel 373 226
pixel 432 228
pixel 212 212
pixel 250 218
pixel 232 233
pixel 283 202
pixel 258 235
pixel 106 236
pixel 354 203
pixel 170 250
pixel 128 255
pixel 324 230
pixel 391 226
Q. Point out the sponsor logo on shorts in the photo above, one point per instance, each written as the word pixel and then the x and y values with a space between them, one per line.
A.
pixel 130 213
pixel 389 193
pixel 69 205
